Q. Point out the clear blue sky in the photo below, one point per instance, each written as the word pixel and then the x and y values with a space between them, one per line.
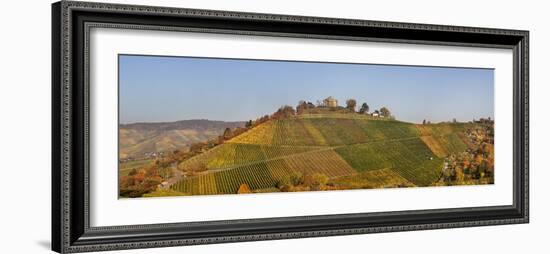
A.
pixel 156 89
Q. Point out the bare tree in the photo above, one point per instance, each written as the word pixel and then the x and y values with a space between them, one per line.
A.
pixel 385 112
pixel 350 104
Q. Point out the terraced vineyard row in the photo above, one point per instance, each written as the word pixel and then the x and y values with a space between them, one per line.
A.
pixel 387 178
pixel 410 158
pixel 272 152
pixel 266 174
pixel 437 148
pixel 261 134
pixel 296 132
pixel 279 169
pixel 339 131
pixel 441 129
pixel 326 162
pixel 445 145
pixel 325 131
pixel 454 143
pixel 379 130
pixel 380 178
pixel 231 155
pixel 424 174
pixel 203 185
pixel 257 176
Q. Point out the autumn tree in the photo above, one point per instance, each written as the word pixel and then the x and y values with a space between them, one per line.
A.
pixel 302 106
pixel 364 108
pixel 459 174
pixel 315 181
pixel 284 112
pixel 385 112
pixel 350 104
pixel 243 189
pixel 132 172
pixel 197 147
pixel 227 134
pixel 141 181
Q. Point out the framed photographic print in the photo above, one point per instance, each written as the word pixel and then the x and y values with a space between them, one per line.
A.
pixel 181 126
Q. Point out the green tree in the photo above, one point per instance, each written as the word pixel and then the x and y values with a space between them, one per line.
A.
pixel 364 108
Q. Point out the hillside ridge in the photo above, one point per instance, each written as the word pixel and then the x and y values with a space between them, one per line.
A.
pixel 303 144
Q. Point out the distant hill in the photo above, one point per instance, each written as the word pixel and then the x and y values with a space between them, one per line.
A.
pixel 139 139
pixel 352 150
pixel 195 124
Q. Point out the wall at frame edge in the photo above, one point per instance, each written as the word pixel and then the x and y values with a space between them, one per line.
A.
pixel 25 124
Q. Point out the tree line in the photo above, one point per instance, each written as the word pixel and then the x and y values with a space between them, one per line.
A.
pixel 351 105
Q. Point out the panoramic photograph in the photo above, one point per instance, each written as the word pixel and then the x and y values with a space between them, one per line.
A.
pixel 214 126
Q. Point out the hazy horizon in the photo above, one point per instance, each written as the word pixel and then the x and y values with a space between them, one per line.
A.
pixel 169 89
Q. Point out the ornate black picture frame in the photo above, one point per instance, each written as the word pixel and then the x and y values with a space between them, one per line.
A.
pixel 71 230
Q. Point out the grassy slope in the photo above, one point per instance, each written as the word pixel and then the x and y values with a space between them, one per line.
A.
pixel 341 146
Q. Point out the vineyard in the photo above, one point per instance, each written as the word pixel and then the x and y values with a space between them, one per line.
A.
pixel 325 162
pixel 352 151
pixel 379 178
pixel 411 158
pixel 444 139
pixel 265 174
pixel 233 155
pixel 257 176
pixel 315 131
